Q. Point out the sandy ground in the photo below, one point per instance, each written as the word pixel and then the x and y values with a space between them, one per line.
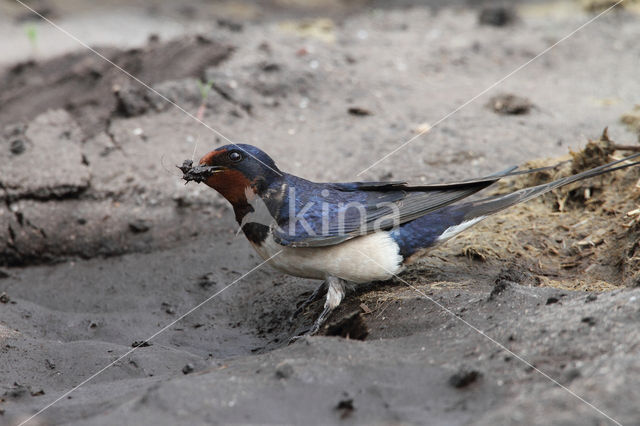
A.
pixel 102 245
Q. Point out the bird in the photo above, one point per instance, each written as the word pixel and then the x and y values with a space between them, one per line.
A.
pixel 351 233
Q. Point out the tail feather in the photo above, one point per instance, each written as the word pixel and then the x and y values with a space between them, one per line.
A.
pixel 449 221
pixel 491 205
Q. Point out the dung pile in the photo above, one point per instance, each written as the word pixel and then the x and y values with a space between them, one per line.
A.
pixel 584 236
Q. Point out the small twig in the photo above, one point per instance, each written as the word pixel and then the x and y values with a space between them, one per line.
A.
pixel 626 147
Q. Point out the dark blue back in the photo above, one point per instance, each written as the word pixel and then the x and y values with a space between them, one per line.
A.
pixel 424 231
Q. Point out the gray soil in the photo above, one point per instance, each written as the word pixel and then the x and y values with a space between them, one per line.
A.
pixel 102 245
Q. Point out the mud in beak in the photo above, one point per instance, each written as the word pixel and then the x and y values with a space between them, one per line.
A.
pixel 198 173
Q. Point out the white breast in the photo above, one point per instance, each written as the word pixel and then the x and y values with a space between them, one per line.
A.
pixel 363 259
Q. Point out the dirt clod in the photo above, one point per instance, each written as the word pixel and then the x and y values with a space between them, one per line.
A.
pixel 26 91
pixel 17 391
pixel 139 226
pixel 499 287
pixel 206 281
pixel 463 378
pixel 496 16
pixel 509 104
pixel 591 321
pixel 195 173
pixel 168 308
pixel 349 327
pixel 132 101
pixel 17 146
pixel 506 277
pixel 230 25
pixel 345 407
pixel 284 371
pixel 359 111
pixel 570 375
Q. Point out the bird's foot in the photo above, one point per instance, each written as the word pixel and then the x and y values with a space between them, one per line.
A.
pixel 317 294
pixel 315 327
pixel 298 337
pixel 335 294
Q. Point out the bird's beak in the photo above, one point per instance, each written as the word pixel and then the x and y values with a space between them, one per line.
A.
pixel 198 173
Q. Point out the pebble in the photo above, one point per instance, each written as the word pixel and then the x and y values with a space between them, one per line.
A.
pixel 17 146
pixel 464 378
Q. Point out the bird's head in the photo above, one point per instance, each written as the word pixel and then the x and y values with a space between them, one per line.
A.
pixel 232 169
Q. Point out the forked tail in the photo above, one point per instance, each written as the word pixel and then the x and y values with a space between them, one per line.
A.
pixel 443 224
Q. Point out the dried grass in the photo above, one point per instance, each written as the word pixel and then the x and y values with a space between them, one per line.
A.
pixel 584 236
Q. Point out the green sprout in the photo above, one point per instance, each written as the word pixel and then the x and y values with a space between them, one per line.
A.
pixel 32 35
pixel 204 88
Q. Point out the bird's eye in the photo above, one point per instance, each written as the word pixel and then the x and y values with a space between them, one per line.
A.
pixel 235 156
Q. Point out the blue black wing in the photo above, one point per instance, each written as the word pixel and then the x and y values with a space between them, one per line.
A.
pixel 323 214
pixel 386 205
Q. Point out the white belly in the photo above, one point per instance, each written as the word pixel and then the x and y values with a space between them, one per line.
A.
pixel 372 257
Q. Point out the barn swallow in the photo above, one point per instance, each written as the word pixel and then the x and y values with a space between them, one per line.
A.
pixel 354 232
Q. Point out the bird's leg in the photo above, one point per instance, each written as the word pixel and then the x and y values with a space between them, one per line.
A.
pixel 335 294
pixel 317 293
